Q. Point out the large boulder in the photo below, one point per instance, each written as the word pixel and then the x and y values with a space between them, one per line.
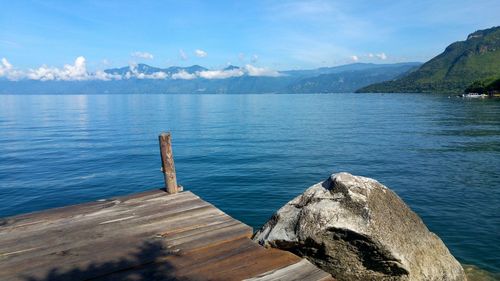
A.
pixel 357 229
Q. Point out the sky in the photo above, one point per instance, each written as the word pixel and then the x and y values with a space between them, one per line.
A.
pixel 275 35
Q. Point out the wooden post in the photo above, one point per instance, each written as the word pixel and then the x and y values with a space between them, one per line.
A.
pixel 167 163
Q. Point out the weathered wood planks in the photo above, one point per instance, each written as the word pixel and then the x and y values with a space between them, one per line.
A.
pixel 145 236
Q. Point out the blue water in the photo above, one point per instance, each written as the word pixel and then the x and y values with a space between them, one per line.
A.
pixel 249 154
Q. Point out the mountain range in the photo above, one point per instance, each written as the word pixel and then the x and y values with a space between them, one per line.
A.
pixel 462 63
pixel 143 78
pixel 148 70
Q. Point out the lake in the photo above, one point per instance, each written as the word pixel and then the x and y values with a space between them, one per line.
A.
pixel 250 154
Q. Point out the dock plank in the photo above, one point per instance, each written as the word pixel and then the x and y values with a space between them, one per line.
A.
pixel 145 236
pixel 301 271
pixel 93 223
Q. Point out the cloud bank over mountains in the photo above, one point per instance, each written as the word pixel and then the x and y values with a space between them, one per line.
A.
pixel 78 72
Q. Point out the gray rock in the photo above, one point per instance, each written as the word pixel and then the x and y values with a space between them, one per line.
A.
pixel 357 229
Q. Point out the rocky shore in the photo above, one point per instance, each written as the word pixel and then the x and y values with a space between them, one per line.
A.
pixel 358 229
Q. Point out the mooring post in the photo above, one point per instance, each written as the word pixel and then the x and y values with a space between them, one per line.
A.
pixel 167 163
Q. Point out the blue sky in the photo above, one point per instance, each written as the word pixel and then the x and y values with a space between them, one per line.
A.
pixel 274 34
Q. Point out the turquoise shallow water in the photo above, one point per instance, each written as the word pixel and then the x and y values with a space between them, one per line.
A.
pixel 249 154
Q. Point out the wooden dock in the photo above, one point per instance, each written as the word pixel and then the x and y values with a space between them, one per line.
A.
pixel 155 235
pixel 147 236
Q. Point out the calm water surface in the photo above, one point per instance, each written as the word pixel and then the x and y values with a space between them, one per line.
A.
pixel 249 154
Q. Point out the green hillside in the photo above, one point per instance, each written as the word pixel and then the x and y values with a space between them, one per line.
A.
pixel 486 86
pixel 463 62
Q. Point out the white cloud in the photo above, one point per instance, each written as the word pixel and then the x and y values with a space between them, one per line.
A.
pixel 354 58
pixel 101 75
pixel 5 67
pixel 76 71
pixel 159 75
pixel 7 70
pixel 183 75
pixel 254 58
pixel 132 66
pixel 43 73
pixel 134 73
pixel 70 72
pixel 155 75
pixel 6 64
pixel 183 55
pixel 142 55
pixel 200 53
pixel 223 74
pixel 260 71
pixel 220 74
pixel 380 56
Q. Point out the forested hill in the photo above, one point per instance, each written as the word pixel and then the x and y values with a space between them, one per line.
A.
pixel 462 63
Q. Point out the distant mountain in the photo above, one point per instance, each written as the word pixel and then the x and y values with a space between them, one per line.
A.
pixel 143 78
pixel 148 70
pixel 192 69
pixel 349 78
pixel 141 68
pixel 341 68
pixel 462 63
pixel 231 67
